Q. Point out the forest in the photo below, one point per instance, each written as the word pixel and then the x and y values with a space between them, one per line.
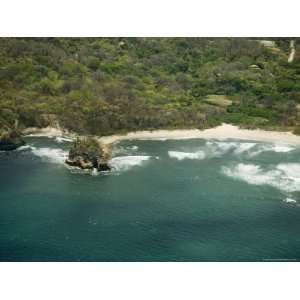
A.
pixel 100 86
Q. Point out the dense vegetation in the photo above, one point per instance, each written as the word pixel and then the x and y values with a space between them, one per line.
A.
pixel 106 85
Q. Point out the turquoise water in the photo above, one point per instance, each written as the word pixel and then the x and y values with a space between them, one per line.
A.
pixel 184 200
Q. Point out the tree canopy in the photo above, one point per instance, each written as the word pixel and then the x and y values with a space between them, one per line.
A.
pixel 107 85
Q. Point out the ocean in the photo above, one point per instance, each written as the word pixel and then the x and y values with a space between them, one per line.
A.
pixel 165 200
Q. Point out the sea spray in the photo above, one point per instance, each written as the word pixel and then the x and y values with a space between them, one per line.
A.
pixel 54 155
pixel 271 148
pixel 186 155
pixel 25 148
pixel 94 172
pixel 213 149
pixel 285 177
pixel 61 139
pixel 290 200
pixel 124 163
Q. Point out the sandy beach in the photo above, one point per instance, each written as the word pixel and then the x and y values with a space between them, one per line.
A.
pixel 49 132
pixel 222 132
pixel 46 131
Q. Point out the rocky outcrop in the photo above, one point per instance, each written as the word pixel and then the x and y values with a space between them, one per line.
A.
pixel 47 120
pixel 46 124
pixel 88 153
pixel 10 140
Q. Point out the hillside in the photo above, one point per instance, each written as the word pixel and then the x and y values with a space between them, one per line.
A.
pixel 107 85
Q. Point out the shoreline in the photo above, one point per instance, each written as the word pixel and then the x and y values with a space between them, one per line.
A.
pixel 222 132
pixel 45 131
pixel 50 132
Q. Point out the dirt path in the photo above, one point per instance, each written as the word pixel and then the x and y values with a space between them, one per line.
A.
pixel 293 51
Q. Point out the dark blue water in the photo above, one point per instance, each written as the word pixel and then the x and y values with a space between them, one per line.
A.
pixel 203 201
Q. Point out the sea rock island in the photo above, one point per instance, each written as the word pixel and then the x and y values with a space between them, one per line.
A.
pixel 89 153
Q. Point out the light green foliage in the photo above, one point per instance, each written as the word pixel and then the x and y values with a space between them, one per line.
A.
pixel 218 100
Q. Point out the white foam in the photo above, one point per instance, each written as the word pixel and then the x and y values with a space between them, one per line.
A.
pixel 285 177
pixel 94 172
pixel 124 163
pixel 53 155
pixel 217 149
pixel 220 148
pixel 187 155
pixel 162 139
pixel 278 148
pixel 213 149
pixel 25 147
pixel 129 150
pixel 226 146
pixel 282 148
pixel 290 200
pixel 61 139
pixel 244 147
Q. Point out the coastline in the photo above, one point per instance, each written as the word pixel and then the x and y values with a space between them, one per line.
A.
pixel 50 132
pixel 222 132
pixel 46 131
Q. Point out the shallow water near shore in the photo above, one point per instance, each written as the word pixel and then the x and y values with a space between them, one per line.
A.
pixel 172 200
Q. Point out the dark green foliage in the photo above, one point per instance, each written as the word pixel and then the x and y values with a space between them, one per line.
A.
pixel 297 131
pixel 107 85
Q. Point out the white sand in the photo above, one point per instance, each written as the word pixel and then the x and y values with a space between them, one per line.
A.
pixel 47 131
pixel 225 131
pixel 222 132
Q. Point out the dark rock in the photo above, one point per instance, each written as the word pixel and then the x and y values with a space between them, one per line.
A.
pixel 10 140
pixel 88 153
pixel 104 167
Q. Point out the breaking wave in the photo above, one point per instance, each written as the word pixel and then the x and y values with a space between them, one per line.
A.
pixel 187 155
pixel 244 147
pixel 250 148
pixel 290 200
pixel 124 163
pixel 213 149
pixel 219 148
pixel 53 155
pixel 25 147
pixel 61 139
pixel 272 147
pixel 285 177
pixel 122 150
